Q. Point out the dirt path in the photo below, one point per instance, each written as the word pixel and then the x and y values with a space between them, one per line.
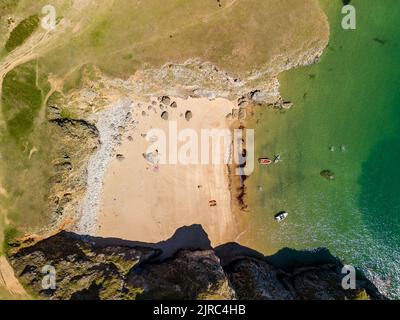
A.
pixel 21 55
pixel 43 40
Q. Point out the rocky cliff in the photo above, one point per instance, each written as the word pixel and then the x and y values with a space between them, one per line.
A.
pixel 183 267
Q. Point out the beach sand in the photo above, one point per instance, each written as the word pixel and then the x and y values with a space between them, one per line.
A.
pixel 8 282
pixel 142 203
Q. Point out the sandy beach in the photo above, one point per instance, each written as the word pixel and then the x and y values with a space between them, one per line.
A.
pixel 146 202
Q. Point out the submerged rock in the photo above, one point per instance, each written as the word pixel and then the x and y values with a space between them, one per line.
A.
pixel 327 174
pixel 287 105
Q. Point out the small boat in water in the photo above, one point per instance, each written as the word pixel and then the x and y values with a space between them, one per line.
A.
pixel 265 161
pixel 281 216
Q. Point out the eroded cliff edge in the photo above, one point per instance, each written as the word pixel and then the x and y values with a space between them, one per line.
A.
pixel 183 267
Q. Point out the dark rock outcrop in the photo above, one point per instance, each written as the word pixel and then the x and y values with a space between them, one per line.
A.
pixel 188 115
pixel 98 268
pixel 164 115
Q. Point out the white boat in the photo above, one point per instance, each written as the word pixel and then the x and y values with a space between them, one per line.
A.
pixel 281 216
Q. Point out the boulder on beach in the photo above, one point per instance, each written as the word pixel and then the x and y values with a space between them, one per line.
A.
pixel 165 100
pixel 188 115
pixel 250 95
pixel 164 115
pixel 174 105
pixel 242 114
pixel 242 102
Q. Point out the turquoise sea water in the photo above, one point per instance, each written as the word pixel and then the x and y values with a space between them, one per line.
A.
pixel 349 101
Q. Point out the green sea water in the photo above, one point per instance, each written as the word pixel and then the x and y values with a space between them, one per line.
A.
pixel 349 102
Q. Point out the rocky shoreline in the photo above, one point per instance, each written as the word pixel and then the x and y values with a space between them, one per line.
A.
pixel 110 123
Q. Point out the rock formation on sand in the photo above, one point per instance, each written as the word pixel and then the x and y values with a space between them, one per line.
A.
pixel 183 267
pixel 188 115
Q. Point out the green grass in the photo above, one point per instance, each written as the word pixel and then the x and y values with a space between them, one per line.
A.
pixel 24 176
pixel 22 32
pixel 7 5
pixel 10 235
pixel 98 35
pixel 152 33
pixel 21 100
pixel 66 114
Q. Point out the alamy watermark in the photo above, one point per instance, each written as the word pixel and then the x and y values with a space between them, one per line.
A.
pixel 49 21
pixel 349 21
pixel 49 278
pixel 349 280
pixel 209 146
